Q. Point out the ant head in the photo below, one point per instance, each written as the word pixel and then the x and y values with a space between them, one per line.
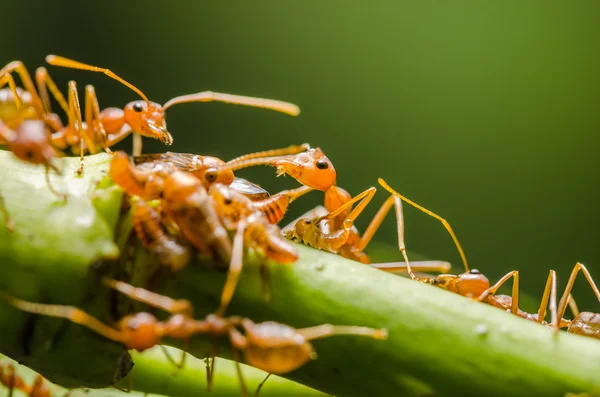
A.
pixel 311 168
pixel 148 119
pixel 276 348
pixel 214 172
pixel 472 283
pixel 140 331
pixel 144 117
pixel 31 143
pixel 229 204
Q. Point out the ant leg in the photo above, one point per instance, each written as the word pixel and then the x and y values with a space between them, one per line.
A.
pixel 8 222
pixel 150 298
pixel 49 183
pixel 170 358
pixel 235 268
pixel 260 386
pixel 45 82
pixel 12 381
pixel 549 295
pixel 209 96
pixel 327 330
pixel 573 306
pixel 514 308
pixel 238 369
pixel 92 117
pixel 363 200
pixel 376 223
pixel 70 313
pixel 76 124
pixel 562 306
pixel 19 68
pixel 416 266
pixel 439 218
pixel 8 79
pixel 286 151
pixel 137 145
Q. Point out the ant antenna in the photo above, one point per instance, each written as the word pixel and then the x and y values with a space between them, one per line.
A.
pixel 56 60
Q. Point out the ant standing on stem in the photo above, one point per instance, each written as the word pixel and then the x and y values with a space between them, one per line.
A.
pixel 270 346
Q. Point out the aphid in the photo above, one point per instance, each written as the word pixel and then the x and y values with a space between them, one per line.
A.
pixel 234 205
pixel 12 381
pixel 270 346
pixel 143 117
pixel 170 250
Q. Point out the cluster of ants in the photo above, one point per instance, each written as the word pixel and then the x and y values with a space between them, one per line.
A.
pixel 184 204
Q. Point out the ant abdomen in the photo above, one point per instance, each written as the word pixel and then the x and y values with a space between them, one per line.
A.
pixel 140 331
pixel 586 324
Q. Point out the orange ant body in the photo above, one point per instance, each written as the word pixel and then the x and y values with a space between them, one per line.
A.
pixel 12 381
pixel 142 117
pixel 270 346
pixel 473 284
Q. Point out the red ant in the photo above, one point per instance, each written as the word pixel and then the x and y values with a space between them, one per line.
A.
pixel 473 284
pixel 144 118
pixel 273 347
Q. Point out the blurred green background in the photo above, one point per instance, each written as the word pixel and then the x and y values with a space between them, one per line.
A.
pixel 485 112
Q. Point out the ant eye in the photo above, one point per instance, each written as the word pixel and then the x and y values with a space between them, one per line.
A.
pixel 210 175
pixel 474 271
pixel 322 164
pixel 138 107
pixel 227 201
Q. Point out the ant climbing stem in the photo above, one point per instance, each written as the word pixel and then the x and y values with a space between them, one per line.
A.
pixel 432 214
pixel 146 118
pixel 270 346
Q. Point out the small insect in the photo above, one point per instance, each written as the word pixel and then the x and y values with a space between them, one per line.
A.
pixel 143 117
pixel 270 346
pixel 12 381
pixel 170 250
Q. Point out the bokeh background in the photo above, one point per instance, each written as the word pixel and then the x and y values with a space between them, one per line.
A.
pixel 485 112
